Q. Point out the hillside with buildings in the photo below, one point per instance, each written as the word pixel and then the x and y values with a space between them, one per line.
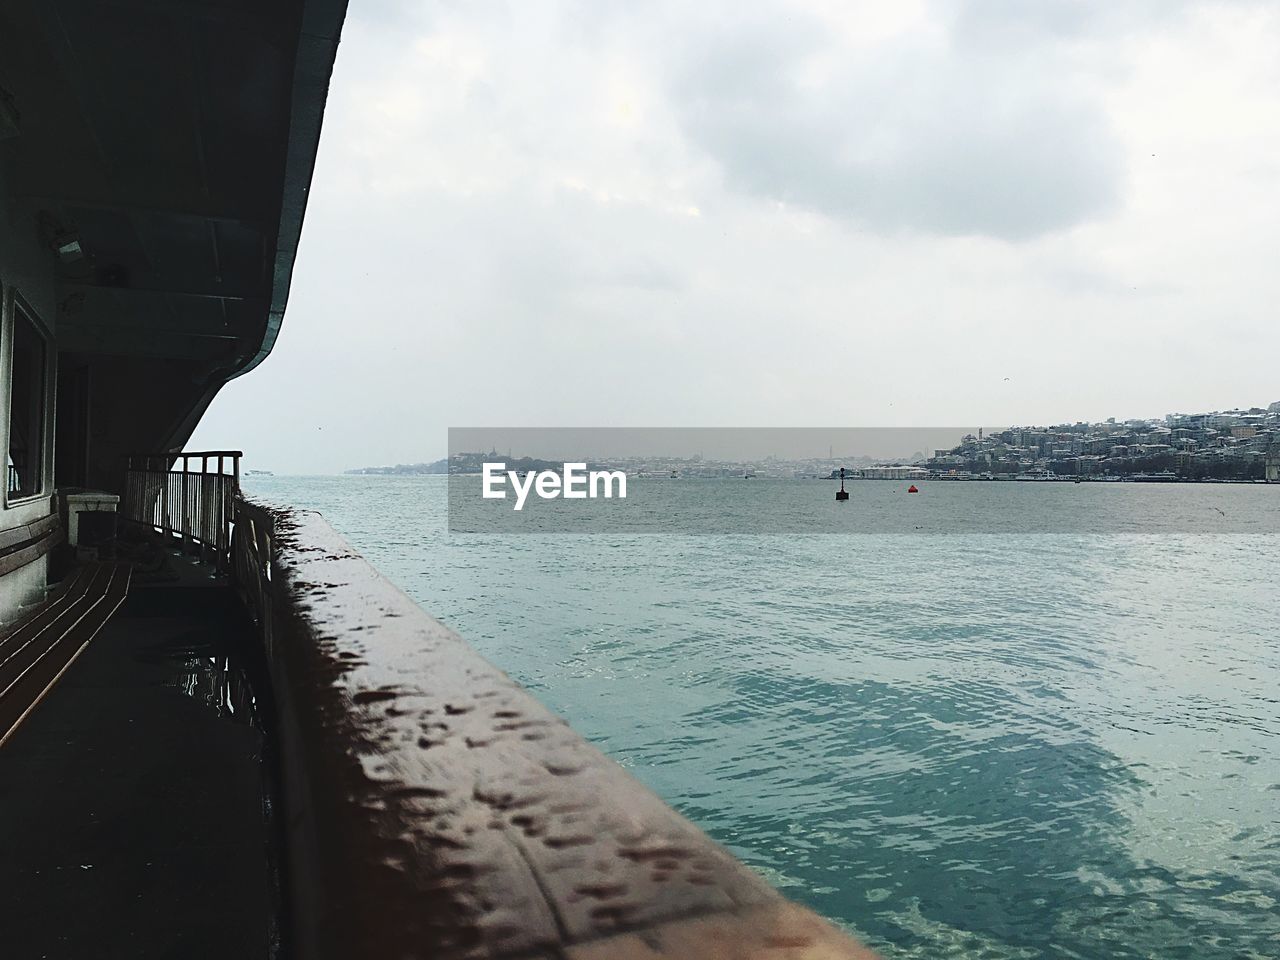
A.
pixel 1224 445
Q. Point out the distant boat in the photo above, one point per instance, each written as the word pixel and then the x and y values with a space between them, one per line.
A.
pixel 749 475
pixel 258 473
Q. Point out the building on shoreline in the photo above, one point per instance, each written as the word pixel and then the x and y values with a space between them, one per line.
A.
pixel 892 472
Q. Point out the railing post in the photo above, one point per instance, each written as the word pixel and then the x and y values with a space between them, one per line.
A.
pixel 186 509
pixel 225 513
pixel 204 508
pixel 167 526
pixel 232 491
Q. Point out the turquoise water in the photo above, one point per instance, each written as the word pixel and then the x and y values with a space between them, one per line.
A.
pixel 978 746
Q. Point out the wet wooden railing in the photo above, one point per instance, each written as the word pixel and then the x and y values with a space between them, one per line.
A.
pixel 436 809
pixel 251 564
pixel 185 496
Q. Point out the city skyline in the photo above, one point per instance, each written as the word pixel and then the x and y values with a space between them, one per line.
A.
pixel 1220 443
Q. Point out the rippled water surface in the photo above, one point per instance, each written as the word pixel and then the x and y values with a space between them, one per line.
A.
pixel 956 746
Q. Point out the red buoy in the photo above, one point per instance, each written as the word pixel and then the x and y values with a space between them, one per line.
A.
pixel 912 489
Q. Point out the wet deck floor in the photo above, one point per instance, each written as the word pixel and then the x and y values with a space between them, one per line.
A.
pixel 132 813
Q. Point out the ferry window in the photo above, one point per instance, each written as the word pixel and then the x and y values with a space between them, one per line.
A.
pixel 26 407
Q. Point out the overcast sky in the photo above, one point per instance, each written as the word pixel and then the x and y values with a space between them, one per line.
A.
pixel 818 212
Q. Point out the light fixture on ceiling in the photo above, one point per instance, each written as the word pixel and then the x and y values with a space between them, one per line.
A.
pixel 67 246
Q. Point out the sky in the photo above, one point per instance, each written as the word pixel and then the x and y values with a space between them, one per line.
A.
pixel 801 213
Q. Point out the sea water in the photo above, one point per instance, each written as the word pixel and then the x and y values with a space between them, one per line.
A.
pixel 978 745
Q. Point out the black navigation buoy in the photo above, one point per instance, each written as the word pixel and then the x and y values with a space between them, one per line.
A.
pixel 842 493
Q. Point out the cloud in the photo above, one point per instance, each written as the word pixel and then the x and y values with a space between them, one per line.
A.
pixel 607 213
pixel 915 135
pixel 1003 25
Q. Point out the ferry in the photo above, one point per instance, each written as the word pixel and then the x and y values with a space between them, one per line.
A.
pixel 222 732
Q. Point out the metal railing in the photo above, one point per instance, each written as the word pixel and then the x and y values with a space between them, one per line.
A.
pixel 186 496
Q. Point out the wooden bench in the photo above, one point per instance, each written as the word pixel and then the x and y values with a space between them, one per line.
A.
pixel 26 542
pixel 38 650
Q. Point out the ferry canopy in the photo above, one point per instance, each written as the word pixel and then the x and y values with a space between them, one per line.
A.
pixel 163 149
